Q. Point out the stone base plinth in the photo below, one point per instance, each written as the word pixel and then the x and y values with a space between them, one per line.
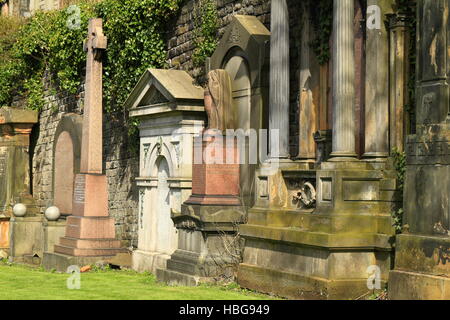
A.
pixel 321 251
pixel 89 231
pixel 27 237
pixel 422 269
pixel 404 285
pixel 60 262
pixel 216 180
pixel 303 265
pixel 149 261
pixel 208 246
pixel 53 231
pixel 296 285
pixel 174 278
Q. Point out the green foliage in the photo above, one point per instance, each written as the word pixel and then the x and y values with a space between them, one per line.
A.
pixel 206 24
pixel 136 41
pixel 46 45
pixel 322 21
pixel 400 168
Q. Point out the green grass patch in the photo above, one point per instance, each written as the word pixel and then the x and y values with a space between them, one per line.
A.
pixel 18 282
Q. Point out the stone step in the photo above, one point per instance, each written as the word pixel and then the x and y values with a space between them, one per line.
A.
pixel 87 252
pixel 89 243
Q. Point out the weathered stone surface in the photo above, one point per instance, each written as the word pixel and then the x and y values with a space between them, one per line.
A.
pixel 421 256
pixel 218 104
pixel 170 109
pixel 90 231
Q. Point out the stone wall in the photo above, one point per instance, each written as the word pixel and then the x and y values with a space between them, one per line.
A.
pixel 180 44
pixel 120 159
pixel 120 162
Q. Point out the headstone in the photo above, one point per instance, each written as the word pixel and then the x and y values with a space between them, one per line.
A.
pixel 66 160
pixel 171 112
pixel 421 260
pixel 244 53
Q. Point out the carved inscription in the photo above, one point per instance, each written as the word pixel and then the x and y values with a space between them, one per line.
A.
pixel 3 162
pixel 428 152
pixel 78 192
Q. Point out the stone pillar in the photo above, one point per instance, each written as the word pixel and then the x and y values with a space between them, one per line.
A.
pixel 377 83
pixel 92 145
pixel 279 80
pixel 398 79
pixel 343 81
pixel 308 113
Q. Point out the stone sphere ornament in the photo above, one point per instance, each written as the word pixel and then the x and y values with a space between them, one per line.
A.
pixel 20 210
pixel 52 213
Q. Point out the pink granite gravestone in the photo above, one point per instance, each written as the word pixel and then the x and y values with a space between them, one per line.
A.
pixel 90 231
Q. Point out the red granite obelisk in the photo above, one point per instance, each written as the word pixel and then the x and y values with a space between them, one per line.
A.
pixel 90 231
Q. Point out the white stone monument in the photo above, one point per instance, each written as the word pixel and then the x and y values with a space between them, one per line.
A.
pixel 171 112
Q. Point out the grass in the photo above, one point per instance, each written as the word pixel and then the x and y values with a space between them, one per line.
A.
pixel 18 282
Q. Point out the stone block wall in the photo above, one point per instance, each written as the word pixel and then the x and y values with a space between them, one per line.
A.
pixel 121 162
pixel 181 46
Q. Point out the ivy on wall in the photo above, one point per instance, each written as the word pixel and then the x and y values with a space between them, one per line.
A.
pixel 206 23
pixel 322 22
pixel 399 161
pixel 47 44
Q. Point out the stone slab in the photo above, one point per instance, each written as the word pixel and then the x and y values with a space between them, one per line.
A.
pixel 407 285
pixel 10 115
pixel 149 261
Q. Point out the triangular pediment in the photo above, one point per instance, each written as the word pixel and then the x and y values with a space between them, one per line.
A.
pixel 157 86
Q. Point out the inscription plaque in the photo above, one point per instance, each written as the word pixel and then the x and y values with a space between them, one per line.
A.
pixel 78 192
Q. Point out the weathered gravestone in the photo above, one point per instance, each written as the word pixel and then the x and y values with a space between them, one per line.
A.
pixel 170 110
pixel 243 52
pixel 90 232
pixel 19 232
pixel 208 220
pixel 66 160
pixel 422 266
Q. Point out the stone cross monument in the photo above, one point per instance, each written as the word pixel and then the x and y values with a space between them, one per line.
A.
pixel 90 231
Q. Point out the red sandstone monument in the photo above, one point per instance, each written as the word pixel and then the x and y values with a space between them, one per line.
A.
pixel 90 231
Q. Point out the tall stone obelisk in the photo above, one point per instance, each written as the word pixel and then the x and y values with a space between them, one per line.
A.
pixel 90 232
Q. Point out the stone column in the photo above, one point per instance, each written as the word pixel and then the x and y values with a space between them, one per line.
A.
pixel 279 80
pixel 399 70
pixel 377 83
pixel 343 81
pixel 308 113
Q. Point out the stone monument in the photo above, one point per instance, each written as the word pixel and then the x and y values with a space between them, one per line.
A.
pixel 421 269
pixel 90 232
pixel 208 219
pixel 17 233
pixel 316 228
pixel 170 112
